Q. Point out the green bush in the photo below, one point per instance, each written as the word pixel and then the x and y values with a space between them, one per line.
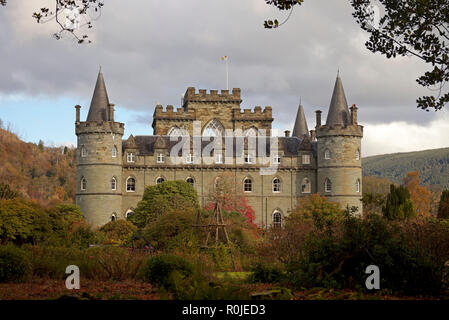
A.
pixel 118 231
pixel 172 230
pixel 14 264
pixel 339 259
pixel 266 274
pixel 164 270
pixel 170 196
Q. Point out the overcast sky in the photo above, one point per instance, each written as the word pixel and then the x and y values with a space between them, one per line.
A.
pixel 151 51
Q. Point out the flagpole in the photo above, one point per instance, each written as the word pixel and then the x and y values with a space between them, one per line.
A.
pixel 225 59
pixel 227 75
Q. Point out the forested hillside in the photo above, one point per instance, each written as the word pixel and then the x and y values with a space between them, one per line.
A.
pixel 432 165
pixel 36 171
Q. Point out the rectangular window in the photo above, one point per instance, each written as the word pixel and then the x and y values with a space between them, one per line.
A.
pixel 306 159
pixel 248 159
pixel 160 158
pixel 130 157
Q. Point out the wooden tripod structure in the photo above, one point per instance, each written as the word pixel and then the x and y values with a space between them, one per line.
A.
pixel 216 223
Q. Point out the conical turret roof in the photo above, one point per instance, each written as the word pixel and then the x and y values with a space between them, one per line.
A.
pixel 300 129
pixel 338 109
pixel 99 106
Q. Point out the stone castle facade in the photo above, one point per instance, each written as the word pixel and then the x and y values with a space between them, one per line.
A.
pixel 112 173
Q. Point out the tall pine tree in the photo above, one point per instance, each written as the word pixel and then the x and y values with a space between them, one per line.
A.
pixel 398 204
pixel 443 208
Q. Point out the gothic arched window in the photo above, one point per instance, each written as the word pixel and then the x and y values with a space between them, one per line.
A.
pixel 160 180
pixel 114 151
pixel 357 154
pixel 213 129
pixel 327 185
pixel 177 132
pixel 83 152
pixel 327 154
pixel 357 186
pixel 113 184
pixel 191 181
pixel 277 220
pixel 251 132
pixel 248 185
pixel 83 184
pixel 129 213
pixel 305 186
pixel 130 184
pixel 276 185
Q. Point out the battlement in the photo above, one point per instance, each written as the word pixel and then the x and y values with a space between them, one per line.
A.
pixel 339 130
pixel 257 114
pixel 213 96
pixel 170 113
pixel 99 127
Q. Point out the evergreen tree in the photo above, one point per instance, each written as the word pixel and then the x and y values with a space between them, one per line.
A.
pixel 398 204
pixel 41 145
pixel 443 208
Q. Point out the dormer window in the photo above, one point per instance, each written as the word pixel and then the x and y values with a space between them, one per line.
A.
pixel 277 159
pixel 218 158
pixel 160 158
pixel 306 159
pixel 189 158
pixel 131 157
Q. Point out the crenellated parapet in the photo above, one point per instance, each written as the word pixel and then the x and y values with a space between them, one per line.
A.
pixel 99 127
pixel 213 96
pixel 339 130
pixel 256 115
pixel 169 113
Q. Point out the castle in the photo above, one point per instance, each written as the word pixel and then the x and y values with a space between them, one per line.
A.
pixel 112 173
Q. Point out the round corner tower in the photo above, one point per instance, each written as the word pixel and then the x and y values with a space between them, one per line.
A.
pixel 339 174
pixel 99 160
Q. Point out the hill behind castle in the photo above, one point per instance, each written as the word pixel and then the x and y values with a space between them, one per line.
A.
pixel 45 174
pixel 432 165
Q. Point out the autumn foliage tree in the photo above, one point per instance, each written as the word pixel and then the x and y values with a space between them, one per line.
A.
pixel 226 193
pixel 419 195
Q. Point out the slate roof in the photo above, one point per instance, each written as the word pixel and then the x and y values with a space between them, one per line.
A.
pixel 99 106
pixel 300 129
pixel 338 109
pixel 290 145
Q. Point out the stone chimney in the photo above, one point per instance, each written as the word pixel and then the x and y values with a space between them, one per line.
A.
pixel 318 118
pixel 353 114
pixel 312 135
pixel 78 118
pixel 111 112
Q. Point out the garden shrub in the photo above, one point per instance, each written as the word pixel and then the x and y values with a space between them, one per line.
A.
pixel 266 274
pixel 118 231
pixel 14 264
pixel 162 270
pixel 338 259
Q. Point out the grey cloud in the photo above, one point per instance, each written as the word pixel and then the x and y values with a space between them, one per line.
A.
pixel 152 51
